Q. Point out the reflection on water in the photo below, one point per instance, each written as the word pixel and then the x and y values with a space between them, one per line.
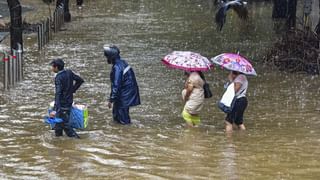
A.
pixel 282 141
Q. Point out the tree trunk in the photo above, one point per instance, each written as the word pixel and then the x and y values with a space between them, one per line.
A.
pixel 292 12
pixel 279 9
pixel 16 24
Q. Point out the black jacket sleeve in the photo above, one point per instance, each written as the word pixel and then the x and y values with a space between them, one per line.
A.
pixel 78 82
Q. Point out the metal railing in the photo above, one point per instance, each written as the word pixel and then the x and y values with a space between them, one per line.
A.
pixel 13 61
pixel 58 19
pixel 12 67
pixel 44 27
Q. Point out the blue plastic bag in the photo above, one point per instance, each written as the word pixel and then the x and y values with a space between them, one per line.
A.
pixel 52 121
pixel 78 118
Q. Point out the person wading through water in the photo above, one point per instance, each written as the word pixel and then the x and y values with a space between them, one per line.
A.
pixel 66 84
pixel 124 87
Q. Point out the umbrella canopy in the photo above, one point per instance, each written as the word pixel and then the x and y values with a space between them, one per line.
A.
pixel 234 62
pixel 187 61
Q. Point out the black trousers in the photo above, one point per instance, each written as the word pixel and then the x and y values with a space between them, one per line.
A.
pixel 121 114
pixel 79 2
pixel 236 116
pixel 65 5
pixel 64 126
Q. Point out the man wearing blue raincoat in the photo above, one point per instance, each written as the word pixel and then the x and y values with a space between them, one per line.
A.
pixel 124 88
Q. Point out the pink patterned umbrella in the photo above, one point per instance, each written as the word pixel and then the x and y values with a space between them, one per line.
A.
pixel 187 61
pixel 234 62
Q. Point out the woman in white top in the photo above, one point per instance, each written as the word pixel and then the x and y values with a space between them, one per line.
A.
pixel 193 96
pixel 236 116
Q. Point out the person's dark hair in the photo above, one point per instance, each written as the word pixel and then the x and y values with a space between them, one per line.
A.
pixel 199 72
pixel 58 63
pixel 235 73
pixel 202 75
pixel 60 67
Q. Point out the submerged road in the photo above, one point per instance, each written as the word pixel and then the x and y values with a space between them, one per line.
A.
pixel 282 140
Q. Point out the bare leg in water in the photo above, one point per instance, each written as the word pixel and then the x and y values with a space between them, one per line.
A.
pixel 229 127
pixel 242 127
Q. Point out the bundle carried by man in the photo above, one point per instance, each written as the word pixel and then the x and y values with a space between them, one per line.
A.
pixel 78 116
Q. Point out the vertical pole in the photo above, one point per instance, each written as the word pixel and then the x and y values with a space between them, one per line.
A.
pixel 10 71
pixel 6 71
pixel 43 33
pixel 39 37
pixel 58 19
pixel 17 66
pixel 55 21
pixel 62 17
pixel 48 30
pixel 19 53
pixel 14 67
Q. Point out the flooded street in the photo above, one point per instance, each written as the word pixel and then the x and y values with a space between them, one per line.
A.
pixel 283 117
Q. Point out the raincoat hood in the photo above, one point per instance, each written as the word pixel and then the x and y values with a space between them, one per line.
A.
pixel 111 52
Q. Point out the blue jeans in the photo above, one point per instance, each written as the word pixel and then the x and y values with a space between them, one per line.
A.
pixel 64 126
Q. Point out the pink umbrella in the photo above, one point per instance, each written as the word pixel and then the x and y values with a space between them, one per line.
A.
pixel 234 62
pixel 187 61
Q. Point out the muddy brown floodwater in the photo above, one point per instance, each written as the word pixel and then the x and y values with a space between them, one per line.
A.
pixel 283 118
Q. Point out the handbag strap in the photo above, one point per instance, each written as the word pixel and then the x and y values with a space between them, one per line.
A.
pixel 240 93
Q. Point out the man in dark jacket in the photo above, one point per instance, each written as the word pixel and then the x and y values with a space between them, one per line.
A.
pixel 124 87
pixel 65 87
